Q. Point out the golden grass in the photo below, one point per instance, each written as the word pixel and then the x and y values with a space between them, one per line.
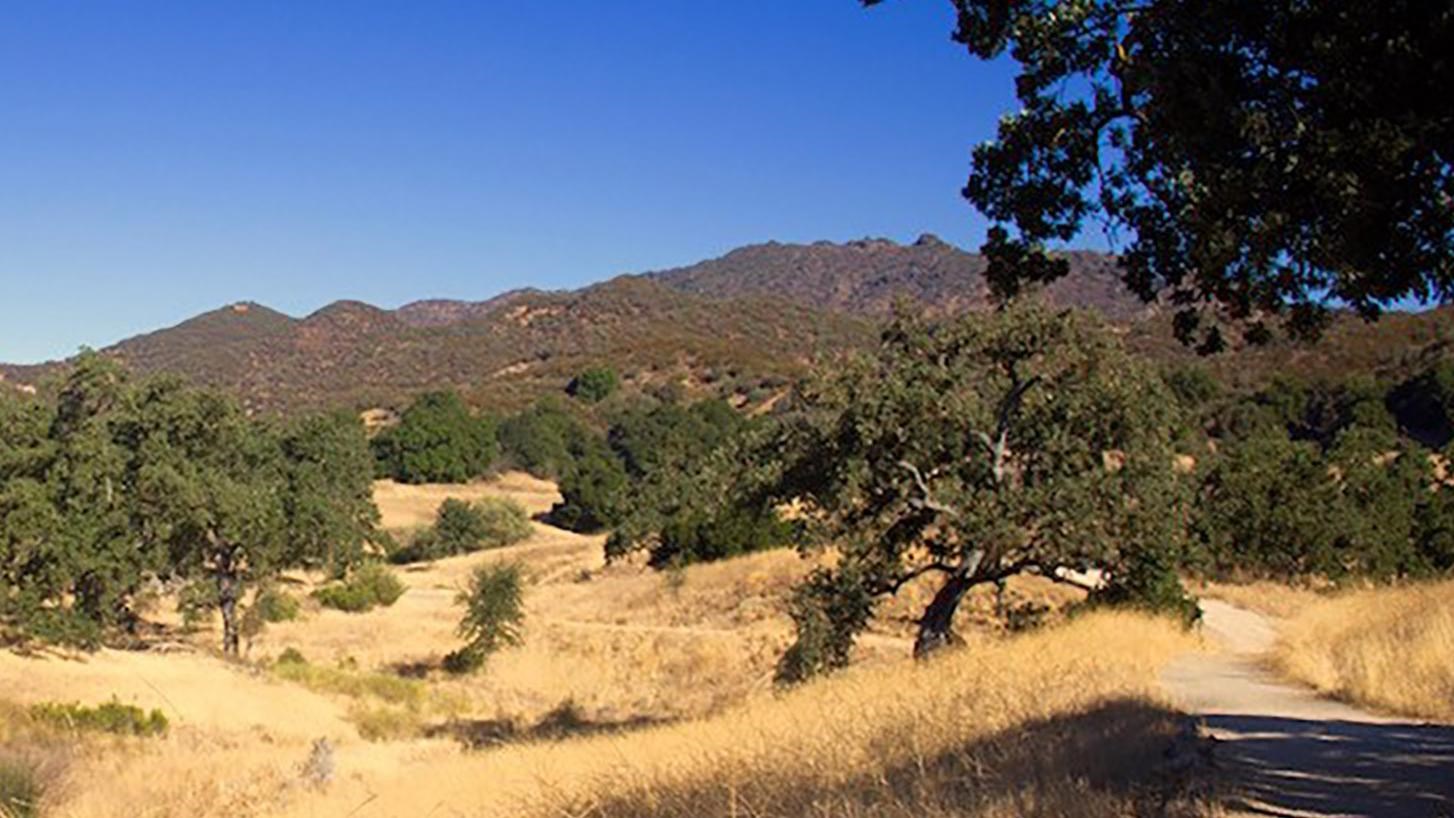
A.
pixel 1263 596
pixel 1388 648
pixel 665 685
pixel 403 506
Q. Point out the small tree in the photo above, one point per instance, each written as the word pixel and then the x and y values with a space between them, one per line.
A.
pixel 1021 441
pixel 493 613
pixel 542 438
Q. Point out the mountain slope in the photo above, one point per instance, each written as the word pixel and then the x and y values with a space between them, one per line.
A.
pixel 502 353
pixel 867 277
pixel 736 325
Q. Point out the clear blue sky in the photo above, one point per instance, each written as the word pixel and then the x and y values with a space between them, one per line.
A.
pixel 163 158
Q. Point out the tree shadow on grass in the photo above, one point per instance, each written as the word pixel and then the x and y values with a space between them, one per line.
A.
pixel 1109 760
pixel 565 721
pixel 1300 767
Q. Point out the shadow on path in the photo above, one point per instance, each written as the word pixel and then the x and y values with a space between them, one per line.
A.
pixel 1302 767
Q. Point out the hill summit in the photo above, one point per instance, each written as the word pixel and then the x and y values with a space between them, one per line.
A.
pixel 867 276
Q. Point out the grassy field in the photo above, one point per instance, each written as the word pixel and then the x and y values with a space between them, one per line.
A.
pixel 1390 648
pixel 633 693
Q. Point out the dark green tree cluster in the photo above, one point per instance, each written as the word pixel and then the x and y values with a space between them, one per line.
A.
pixel 116 482
pixel 546 439
pixel 664 477
pixel 594 385
pixel 1326 480
pixel 1259 159
pixel 438 440
pixel 690 496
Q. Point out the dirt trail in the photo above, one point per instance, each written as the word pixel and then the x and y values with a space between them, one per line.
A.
pixel 1291 753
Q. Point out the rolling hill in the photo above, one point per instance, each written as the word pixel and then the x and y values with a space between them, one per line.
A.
pixel 866 277
pixel 737 325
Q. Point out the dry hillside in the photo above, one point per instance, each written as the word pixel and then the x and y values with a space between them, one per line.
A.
pixel 633 692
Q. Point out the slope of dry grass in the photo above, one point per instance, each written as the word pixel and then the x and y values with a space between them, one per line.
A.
pixel 1388 648
pixel 1062 722
pixel 634 693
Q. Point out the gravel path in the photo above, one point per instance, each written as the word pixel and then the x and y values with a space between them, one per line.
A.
pixel 1289 752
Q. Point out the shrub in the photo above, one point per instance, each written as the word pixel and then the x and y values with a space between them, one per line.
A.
pixel 1148 581
pixel 369 587
pixel 543 439
pixel 291 656
pixel 274 605
pixel 493 613
pixel 594 385
pixel 696 537
pixel 462 528
pixel 111 717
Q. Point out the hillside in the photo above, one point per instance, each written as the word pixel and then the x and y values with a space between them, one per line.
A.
pixel 736 325
pixel 502 352
pixel 867 277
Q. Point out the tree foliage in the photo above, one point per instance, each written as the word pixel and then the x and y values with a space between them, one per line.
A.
pixel 543 439
pixel 493 613
pixel 969 452
pixel 117 481
pixel 1256 158
pixel 437 440
pixel 594 385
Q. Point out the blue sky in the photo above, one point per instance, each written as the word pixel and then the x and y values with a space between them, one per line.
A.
pixel 160 159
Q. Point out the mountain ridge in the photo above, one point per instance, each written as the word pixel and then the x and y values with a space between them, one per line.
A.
pixel 735 325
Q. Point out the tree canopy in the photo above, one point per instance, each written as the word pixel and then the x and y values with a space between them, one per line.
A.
pixel 438 440
pixel 969 452
pixel 120 480
pixel 1251 159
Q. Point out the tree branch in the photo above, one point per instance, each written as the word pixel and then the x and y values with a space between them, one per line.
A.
pixel 927 501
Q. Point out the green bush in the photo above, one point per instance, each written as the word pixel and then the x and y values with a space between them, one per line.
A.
pixel 1148 581
pixel 594 385
pixel 291 656
pixel 462 528
pixel 274 605
pixel 111 717
pixel 543 439
pixel 369 587
pixel 692 537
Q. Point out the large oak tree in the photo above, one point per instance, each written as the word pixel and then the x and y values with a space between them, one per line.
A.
pixel 1252 159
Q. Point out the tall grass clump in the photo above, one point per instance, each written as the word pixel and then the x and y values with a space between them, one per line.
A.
pixel 20 789
pixel 110 717
pixel 1389 648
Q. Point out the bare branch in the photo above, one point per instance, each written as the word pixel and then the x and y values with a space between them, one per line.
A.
pixel 927 501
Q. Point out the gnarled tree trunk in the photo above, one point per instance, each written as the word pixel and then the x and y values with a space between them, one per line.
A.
pixel 936 626
pixel 228 588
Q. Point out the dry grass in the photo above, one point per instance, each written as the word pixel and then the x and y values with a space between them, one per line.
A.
pixel 1263 596
pixel 1389 648
pixel 665 686
pixel 1055 723
pixel 404 506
